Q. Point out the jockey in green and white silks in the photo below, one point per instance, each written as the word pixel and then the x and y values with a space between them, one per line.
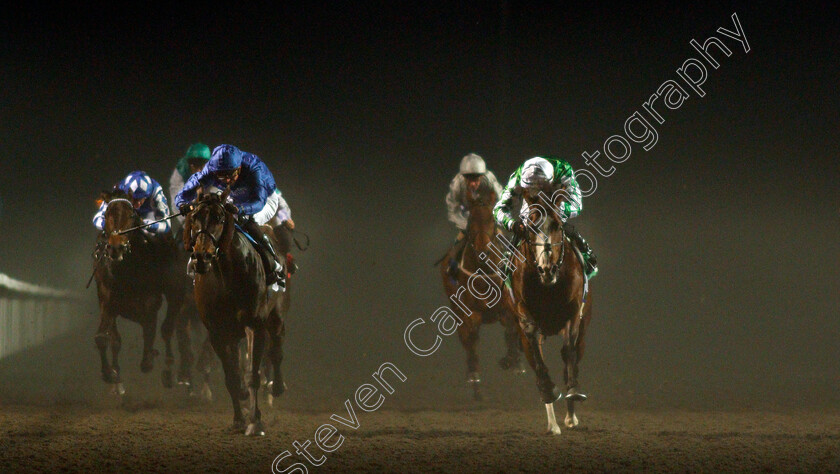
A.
pixel 198 154
pixel 531 177
pixel 473 178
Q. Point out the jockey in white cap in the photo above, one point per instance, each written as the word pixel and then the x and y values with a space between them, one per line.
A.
pixel 473 178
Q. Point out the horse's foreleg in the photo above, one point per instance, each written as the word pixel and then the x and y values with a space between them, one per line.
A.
pixel 532 346
pixel 206 359
pixel 532 341
pixel 511 359
pixel 103 338
pixel 182 334
pixel 167 328
pixel 276 331
pixel 149 329
pixel 228 352
pixel 468 334
pixel 256 346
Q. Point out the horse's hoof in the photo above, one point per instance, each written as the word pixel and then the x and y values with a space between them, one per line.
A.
pixel 166 378
pixel 553 431
pixel 278 389
pixel 473 377
pixel 254 429
pixel 237 427
pixel 110 376
pixel 506 363
pixel 118 389
pixel 184 379
pixel 571 421
pixel 206 393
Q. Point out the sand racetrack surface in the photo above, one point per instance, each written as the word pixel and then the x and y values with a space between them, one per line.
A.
pixel 141 438
pixel 57 415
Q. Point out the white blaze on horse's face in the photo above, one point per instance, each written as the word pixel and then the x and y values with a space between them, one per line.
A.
pixel 544 252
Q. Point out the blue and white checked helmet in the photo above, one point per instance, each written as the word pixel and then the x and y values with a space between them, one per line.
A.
pixel 138 184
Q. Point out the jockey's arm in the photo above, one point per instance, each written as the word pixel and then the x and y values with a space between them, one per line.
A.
pixel 565 185
pixel 187 195
pixel 454 206
pixel 284 213
pixel 161 211
pixel 503 211
pixel 256 201
pixel 99 217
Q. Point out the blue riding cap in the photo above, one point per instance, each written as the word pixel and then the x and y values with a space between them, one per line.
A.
pixel 138 184
pixel 227 157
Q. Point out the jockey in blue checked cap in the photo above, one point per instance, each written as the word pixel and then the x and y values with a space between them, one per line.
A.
pixel 147 197
pixel 254 193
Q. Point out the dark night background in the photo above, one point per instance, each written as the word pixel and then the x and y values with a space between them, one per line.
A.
pixel 718 248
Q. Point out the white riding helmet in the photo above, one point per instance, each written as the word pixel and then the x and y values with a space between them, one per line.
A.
pixel 536 172
pixel 473 164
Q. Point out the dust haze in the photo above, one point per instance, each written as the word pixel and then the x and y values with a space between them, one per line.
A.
pixel 717 249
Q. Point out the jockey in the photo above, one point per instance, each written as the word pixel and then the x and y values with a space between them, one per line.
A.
pixel 533 176
pixel 198 154
pixel 254 193
pixel 474 178
pixel 147 197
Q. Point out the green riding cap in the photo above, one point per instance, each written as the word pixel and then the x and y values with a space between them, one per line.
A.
pixel 196 151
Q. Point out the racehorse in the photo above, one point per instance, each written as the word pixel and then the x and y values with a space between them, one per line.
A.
pixel 481 230
pixel 233 300
pixel 548 299
pixel 133 273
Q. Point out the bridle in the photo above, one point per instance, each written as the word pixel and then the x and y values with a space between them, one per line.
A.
pixel 213 238
pixel 547 246
pixel 136 217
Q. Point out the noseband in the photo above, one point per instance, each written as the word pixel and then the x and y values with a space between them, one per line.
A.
pixel 547 246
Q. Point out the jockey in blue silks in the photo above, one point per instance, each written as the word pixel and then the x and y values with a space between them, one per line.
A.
pixel 255 195
pixel 148 200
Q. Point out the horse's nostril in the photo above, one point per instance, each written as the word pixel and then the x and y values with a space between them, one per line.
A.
pixel 541 270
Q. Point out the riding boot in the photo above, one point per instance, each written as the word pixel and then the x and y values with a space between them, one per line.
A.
pixel 591 261
pixel 276 274
pixel 460 245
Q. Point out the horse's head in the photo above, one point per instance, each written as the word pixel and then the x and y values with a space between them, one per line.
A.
pixel 119 215
pixel 481 226
pixel 545 239
pixel 205 230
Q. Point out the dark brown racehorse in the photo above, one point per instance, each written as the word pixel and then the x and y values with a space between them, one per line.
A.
pixel 481 231
pixel 133 273
pixel 233 301
pixel 548 299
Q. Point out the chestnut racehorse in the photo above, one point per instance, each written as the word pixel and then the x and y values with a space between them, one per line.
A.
pixel 133 273
pixel 233 301
pixel 548 294
pixel 481 231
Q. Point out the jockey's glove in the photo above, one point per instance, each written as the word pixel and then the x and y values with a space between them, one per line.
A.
pixel 519 229
pixel 185 208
